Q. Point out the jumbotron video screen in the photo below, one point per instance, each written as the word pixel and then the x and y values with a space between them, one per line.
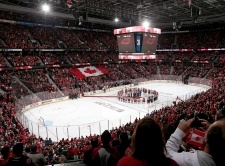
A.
pixel 149 43
pixel 126 43
pixel 137 42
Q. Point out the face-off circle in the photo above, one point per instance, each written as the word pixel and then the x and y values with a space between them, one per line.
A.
pixel 137 95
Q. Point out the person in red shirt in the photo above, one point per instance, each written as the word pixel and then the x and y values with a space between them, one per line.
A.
pixel 148 146
pixel 75 152
pixel 87 154
pixel 70 152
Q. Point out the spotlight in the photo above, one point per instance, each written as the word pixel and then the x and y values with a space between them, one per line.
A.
pixel 116 19
pixel 45 8
pixel 145 24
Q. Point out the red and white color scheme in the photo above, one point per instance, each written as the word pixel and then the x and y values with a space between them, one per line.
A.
pixel 190 49
pixel 137 95
pixel 195 138
pixel 88 71
pixel 137 29
pixel 136 56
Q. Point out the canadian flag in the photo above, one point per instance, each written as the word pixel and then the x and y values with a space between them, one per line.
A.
pixel 88 71
pixel 195 138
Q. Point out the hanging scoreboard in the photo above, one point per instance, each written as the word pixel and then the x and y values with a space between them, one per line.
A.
pixel 137 42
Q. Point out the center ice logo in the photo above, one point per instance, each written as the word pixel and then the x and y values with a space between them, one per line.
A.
pixel 107 105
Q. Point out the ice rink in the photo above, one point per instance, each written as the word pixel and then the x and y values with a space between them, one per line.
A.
pixel 94 114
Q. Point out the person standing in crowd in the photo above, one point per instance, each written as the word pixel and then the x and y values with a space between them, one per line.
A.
pixel 148 146
pixel 220 112
pixel 106 155
pixel 214 150
pixel 62 159
pixel 87 154
pixel 46 142
pixel 19 159
pixel 5 156
pixel 124 143
pixel 167 131
pixel 37 158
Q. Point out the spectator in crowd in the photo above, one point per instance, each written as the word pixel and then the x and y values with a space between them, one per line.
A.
pixel 50 141
pixel 27 150
pixel 220 112
pixel 147 146
pixel 75 152
pixel 167 130
pixel 115 143
pixel 5 156
pixel 19 159
pixel 46 142
pixel 214 150
pixel 106 155
pixel 62 159
pixel 124 143
pixel 37 158
pixel 87 154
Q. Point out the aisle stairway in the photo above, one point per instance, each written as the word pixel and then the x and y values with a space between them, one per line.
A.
pixel 22 84
pixel 7 62
pixel 53 83
pixel 158 72
pixel 171 70
pixel 208 72
pixel 184 71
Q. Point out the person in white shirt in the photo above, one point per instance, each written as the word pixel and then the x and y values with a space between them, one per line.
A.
pixel 37 158
pixel 213 153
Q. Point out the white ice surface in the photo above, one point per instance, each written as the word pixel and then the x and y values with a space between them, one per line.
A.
pixel 80 117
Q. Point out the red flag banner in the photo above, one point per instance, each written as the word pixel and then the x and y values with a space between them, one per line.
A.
pixel 195 138
pixel 88 71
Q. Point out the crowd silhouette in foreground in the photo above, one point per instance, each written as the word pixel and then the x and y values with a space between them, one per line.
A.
pixel 148 147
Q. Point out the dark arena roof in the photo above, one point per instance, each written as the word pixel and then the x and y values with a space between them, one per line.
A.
pixel 161 13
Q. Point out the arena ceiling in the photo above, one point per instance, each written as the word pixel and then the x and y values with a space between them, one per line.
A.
pixel 158 12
